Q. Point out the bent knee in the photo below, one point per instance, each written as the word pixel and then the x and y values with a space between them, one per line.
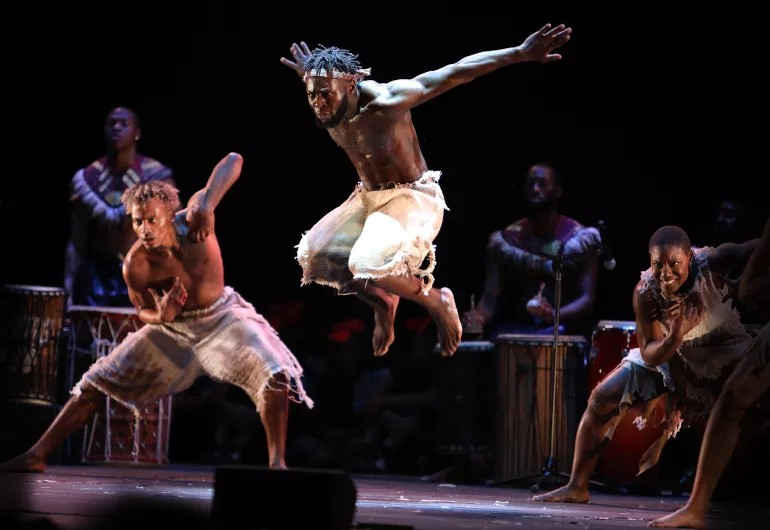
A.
pixel 602 403
pixel 87 392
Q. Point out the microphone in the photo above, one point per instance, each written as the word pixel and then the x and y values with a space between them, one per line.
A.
pixel 607 260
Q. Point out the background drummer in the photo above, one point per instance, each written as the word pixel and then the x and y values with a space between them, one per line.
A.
pixel 100 231
pixel 520 267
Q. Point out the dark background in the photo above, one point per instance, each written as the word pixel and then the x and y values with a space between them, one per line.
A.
pixel 650 123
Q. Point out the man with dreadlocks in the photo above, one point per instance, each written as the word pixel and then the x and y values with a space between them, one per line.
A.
pixel 375 243
pixel 197 326
pixel 690 338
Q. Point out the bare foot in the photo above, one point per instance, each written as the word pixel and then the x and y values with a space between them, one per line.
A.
pixel 565 494
pixel 384 333
pixel 24 463
pixel 682 518
pixel 280 464
pixel 450 329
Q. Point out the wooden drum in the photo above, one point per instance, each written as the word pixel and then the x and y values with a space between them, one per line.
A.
pixel 524 376
pixel 117 435
pixel 30 330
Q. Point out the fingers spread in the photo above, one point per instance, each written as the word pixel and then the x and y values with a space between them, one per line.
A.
pixel 554 30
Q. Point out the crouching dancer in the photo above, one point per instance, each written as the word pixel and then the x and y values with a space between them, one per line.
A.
pixel 194 324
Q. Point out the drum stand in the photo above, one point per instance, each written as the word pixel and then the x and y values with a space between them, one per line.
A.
pixel 551 477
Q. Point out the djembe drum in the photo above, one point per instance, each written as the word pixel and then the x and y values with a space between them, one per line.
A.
pixel 117 435
pixel 619 460
pixel 524 375
pixel 30 328
pixel 465 392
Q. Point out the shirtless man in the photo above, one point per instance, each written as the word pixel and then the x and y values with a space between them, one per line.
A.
pixel 193 323
pixel 689 338
pixel 375 243
pixel 748 382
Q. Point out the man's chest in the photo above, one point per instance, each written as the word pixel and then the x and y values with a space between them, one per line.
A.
pixel 365 135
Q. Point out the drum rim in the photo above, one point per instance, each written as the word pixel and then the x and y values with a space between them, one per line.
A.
pixel 34 288
pixel 545 339
pixel 609 324
pixel 102 310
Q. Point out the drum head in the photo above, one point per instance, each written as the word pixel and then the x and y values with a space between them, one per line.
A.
pixel 102 310
pixel 20 289
pixel 469 345
pixel 539 340
pixel 625 325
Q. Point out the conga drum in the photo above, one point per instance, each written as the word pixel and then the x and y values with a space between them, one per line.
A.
pixel 30 330
pixel 524 377
pixel 619 460
pixel 117 435
pixel 610 342
pixel 465 393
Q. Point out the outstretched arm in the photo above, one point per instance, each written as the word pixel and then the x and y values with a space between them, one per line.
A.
pixel 755 281
pixel 408 93
pixel 200 208
pixel 731 255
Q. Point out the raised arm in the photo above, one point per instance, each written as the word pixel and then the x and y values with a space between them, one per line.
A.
pixel 200 208
pixel 408 93
pixel 224 175
pixel 301 53
pixel 731 255
pixel 755 281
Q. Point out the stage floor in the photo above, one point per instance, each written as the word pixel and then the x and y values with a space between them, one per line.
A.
pixel 77 497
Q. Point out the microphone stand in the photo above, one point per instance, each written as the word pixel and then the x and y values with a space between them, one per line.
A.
pixel 550 477
pixel 550 474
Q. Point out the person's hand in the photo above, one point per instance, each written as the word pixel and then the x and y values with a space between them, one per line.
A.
pixel 542 309
pixel 473 321
pixel 683 316
pixel 171 303
pixel 200 223
pixel 538 46
pixel 301 54
pixel 733 288
pixel 587 243
pixel 496 242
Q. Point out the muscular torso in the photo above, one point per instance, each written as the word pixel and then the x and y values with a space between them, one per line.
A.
pixel 198 266
pixel 382 144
